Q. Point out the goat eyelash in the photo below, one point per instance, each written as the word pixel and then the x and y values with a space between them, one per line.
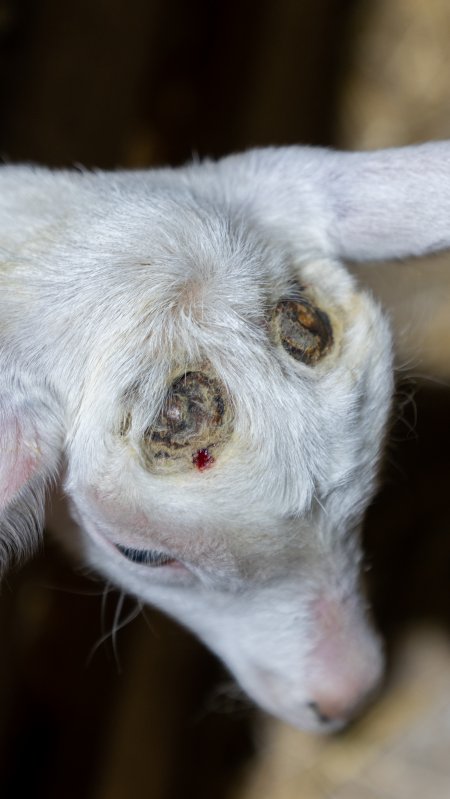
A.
pixel 146 557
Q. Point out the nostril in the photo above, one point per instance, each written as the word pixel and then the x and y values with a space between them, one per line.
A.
pixel 340 707
pixel 322 717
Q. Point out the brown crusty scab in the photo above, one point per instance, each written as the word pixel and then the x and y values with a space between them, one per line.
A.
pixel 196 416
pixel 302 329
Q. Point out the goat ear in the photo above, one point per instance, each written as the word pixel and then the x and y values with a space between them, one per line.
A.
pixel 389 203
pixel 30 450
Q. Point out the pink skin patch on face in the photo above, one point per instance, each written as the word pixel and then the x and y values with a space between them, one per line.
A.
pixel 22 469
pixel 19 462
pixel 202 459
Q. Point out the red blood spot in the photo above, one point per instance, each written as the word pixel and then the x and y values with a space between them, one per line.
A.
pixel 202 459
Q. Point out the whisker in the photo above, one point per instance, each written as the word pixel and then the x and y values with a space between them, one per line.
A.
pixel 106 590
pixel 117 625
pixel 144 613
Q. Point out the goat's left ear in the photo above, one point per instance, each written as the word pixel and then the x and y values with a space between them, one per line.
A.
pixel 390 203
pixel 30 451
pixel 363 206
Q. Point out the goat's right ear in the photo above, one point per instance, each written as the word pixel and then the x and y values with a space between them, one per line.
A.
pixel 30 451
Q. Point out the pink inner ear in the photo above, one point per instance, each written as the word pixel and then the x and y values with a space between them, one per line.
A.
pixel 19 458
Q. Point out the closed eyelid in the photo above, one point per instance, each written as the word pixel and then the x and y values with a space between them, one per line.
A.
pixel 147 557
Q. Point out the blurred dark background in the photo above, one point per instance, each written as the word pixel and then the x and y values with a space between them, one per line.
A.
pixel 147 712
pixel 143 82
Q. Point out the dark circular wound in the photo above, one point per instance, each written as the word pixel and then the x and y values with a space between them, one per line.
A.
pixel 193 416
pixel 303 329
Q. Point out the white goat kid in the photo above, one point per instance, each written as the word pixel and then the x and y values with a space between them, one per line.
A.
pixel 186 347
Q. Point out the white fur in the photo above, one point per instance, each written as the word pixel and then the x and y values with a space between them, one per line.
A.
pixel 111 284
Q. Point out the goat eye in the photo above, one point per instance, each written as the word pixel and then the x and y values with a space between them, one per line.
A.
pixel 195 418
pixel 303 330
pixel 145 556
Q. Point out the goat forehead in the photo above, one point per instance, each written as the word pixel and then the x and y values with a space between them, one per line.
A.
pixel 295 432
pixel 205 295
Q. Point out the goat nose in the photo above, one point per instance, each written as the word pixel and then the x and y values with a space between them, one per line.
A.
pixel 343 706
pixel 319 713
pixel 327 712
pixel 346 663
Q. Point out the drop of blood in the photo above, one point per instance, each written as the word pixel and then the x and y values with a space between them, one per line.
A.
pixel 202 459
